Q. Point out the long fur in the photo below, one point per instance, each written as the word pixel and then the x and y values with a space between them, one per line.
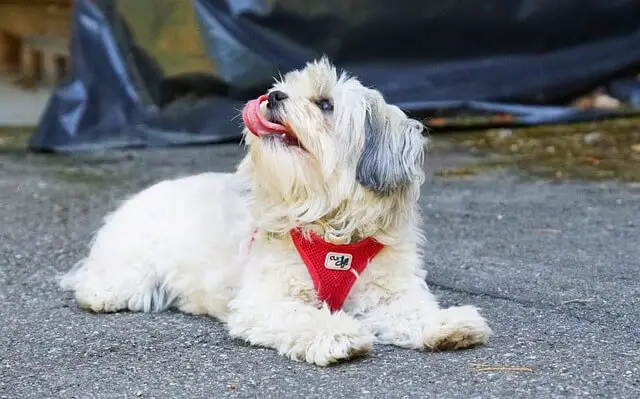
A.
pixel 185 242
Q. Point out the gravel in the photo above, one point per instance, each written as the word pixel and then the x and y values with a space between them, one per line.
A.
pixel 554 266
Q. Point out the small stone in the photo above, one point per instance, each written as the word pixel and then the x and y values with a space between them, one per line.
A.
pixel 635 148
pixel 550 149
pixel 592 138
pixel 139 393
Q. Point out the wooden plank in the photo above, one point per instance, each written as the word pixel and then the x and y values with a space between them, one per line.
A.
pixel 32 3
pixel 10 47
pixel 31 67
pixel 35 20
pixel 34 36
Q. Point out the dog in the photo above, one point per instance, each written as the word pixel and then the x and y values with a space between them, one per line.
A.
pixel 312 247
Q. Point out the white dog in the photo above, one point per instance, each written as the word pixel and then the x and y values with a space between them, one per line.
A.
pixel 312 247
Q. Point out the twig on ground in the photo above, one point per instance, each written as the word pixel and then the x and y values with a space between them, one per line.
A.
pixel 548 231
pixel 583 301
pixel 489 367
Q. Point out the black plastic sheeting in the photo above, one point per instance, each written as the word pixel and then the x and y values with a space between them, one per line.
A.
pixel 522 57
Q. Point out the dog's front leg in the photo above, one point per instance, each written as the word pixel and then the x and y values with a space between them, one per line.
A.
pixel 412 318
pixel 298 330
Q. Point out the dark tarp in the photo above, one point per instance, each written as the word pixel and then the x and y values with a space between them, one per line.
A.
pixel 177 72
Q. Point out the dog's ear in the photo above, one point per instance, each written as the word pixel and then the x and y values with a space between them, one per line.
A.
pixel 393 153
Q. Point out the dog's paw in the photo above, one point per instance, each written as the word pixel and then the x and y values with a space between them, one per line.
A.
pixel 100 302
pixel 332 343
pixel 331 348
pixel 457 328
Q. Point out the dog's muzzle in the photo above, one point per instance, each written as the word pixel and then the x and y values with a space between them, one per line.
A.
pixel 256 122
pixel 261 126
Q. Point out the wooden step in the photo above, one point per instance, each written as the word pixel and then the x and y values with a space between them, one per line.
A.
pixel 34 37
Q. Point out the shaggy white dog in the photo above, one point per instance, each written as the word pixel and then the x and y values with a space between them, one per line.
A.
pixel 332 176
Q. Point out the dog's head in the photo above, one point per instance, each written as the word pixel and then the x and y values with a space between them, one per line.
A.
pixel 323 145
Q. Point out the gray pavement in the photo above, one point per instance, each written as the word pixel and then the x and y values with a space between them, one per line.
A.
pixel 21 107
pixel 554 266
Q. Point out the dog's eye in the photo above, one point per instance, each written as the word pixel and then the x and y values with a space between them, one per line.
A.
pixel 325 105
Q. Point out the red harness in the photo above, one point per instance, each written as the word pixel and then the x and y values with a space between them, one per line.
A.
pixel 334 268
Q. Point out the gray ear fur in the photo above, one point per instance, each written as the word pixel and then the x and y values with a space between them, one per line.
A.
pixel 392 156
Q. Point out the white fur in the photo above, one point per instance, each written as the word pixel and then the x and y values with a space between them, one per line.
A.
pixel 185 242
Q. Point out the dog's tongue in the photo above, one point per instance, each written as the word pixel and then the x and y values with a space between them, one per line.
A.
pixel 255 120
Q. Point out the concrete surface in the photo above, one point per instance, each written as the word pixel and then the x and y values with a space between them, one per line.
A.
pixel 21 107
pixel 555 268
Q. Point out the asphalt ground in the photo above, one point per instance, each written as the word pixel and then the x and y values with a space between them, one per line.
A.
pixel 555 267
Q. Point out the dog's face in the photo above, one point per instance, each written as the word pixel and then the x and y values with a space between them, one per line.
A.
pixel 319 139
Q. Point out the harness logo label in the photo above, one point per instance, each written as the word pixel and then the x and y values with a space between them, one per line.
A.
pixel 338 261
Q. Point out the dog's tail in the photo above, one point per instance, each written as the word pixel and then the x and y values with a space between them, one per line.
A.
pixel 153 297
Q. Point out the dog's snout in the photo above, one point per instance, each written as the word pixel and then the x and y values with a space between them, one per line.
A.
pixel 275 97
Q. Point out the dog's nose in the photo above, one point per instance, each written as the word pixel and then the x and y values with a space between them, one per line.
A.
pixel 275 97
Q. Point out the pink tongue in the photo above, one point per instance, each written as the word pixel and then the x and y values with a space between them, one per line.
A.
pixel 255 121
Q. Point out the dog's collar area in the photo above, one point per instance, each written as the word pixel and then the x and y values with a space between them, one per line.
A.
pixel 331 236
pixel 334 268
